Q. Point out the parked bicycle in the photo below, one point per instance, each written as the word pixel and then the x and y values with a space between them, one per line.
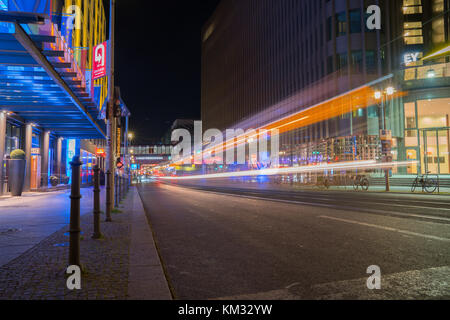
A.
pixel 428 184
pixel 361 181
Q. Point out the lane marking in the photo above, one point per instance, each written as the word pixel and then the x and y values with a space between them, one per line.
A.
pixel 387 228
pixel 315 204
pixel 411 285
pixel 436 219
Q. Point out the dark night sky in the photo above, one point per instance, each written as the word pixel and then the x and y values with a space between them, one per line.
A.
pixel 158 61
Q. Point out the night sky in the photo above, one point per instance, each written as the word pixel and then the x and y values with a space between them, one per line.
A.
pixel 158 61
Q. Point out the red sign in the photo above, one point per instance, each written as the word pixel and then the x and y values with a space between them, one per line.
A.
pixel 99 61
pixel 101 152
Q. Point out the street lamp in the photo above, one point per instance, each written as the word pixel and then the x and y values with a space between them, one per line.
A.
pixel 383 96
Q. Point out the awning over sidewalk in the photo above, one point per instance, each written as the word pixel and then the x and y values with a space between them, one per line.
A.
pixel 41 82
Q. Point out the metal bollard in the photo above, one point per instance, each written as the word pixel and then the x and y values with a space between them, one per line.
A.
pixel 120 188
pixel 108 197
pixel 97 234
pixel 115 191
pixel 75 196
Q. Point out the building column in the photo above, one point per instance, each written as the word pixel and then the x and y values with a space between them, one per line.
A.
pixel 59 157
pixel 28 142
pixel 2 147
pixel 44 157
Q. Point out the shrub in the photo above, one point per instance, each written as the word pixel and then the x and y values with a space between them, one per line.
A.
pixel 54 181
pixel 18 154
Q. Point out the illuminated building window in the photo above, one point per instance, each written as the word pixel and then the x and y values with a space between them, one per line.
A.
pixel 413 33
pixel 413 40
pixel 438 25
pixel 412 7
pixel 341 24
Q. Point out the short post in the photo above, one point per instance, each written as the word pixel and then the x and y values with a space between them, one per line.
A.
pixel 122 185
pixel 75 196
pixel 108 197
pixel 97 234
pixel 120 188
pixel 115 191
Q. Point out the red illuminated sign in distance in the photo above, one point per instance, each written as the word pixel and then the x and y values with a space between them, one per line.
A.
pixel 99 61
pixel 101 152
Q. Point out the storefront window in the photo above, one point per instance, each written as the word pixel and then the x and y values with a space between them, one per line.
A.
pixel 12 138
pixel 433 113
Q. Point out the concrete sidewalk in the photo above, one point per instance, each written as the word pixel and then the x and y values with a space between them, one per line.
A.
pixel 25 221
pixel 123 265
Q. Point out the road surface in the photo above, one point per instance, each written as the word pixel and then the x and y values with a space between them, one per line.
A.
pixel 242 243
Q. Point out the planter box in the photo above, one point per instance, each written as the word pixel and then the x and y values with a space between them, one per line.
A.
pixel 16 176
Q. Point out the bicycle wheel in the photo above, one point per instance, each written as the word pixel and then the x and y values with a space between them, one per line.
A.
pixel 414 185
pixel 430 185
pixel 365 184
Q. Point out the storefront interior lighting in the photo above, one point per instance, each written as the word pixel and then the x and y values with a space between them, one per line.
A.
pixel 431 73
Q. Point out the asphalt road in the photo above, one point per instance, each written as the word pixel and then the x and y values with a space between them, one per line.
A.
pixel 229 242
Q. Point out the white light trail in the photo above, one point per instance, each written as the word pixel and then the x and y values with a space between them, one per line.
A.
pixel 291 170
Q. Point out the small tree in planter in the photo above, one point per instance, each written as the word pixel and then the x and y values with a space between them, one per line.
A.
pixel 54 181
pixel 65 180
pixel 17 165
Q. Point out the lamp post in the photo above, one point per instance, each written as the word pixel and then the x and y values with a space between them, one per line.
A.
pixel 110 173
pixel 386 139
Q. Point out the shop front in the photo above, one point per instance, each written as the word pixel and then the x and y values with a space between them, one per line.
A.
pixel 427 134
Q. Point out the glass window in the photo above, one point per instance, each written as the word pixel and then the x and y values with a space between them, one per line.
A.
pixel 342 61
pixel 410 115
pixel 355 21
pixel 341 24
pixel 357 60
pixel 371 61
pixel 433 113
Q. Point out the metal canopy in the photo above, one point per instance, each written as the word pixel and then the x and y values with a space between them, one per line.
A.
pixel 39 82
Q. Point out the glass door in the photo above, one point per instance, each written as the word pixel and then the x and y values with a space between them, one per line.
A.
pixel 435 146
pixel 444 148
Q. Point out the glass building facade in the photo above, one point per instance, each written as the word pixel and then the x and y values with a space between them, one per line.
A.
pixel 264 60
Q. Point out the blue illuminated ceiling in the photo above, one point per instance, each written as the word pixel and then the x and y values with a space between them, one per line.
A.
pixel 40 87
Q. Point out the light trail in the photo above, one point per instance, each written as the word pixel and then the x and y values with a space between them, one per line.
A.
pixel 348 102
pixel 353 165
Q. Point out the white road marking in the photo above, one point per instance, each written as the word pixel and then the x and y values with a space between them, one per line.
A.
pixel 314 204
pixel 432 283
pixel 387 228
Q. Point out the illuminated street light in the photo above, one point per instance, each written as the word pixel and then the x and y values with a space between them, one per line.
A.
pixel 130 136
pixel 378 95
pixel 390 91
pixel 431 73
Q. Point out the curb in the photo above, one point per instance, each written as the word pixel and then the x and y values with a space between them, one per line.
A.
pixel 146 279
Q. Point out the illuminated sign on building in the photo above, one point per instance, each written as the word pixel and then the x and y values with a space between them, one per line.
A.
pixel 35 151
pixel 101 152
pixel 118 144
pixel 409 58
pixel 99 61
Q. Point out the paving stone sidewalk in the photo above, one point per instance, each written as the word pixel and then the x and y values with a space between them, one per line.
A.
pixel 39 273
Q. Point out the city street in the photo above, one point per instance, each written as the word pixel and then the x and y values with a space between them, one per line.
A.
pixel 232 243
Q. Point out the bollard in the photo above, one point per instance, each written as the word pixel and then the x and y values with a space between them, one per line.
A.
pixel 115 191
pixel 119 178
pixel 75 196
pixel 122 187
pixel 108 196
pixel 97 234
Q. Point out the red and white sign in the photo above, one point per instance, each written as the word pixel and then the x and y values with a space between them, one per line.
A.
pixel 99 61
